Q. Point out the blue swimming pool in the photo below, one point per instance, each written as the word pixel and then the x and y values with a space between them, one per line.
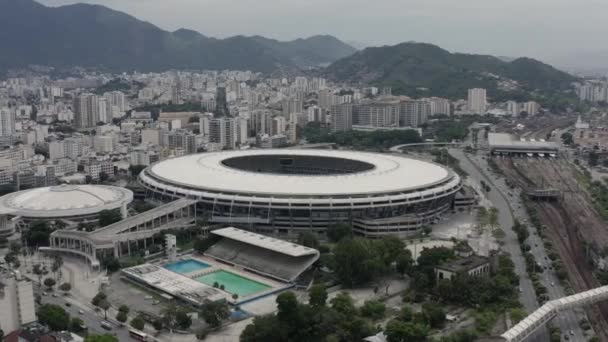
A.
pixel 186 266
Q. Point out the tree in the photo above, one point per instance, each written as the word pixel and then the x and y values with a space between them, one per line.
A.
pixel 214 313
pixel 158 324
pixel 103 177
pixel 53 316
pixel 138 323
pixel 373 309
pixel 433 314
pixel 77 325
pixel 263 329
pixel 57 263
pixel 287 305
pixel 593 158
pixel 397 331
pixel 353 261
pixel 38 234
pixel 104 305
pixel 567 138
pixel 14 247
pixel 338 231
pixel 343 303
pixel 404 262
pixel 124 308
pixel 98 298
pixel 65 287
pixel 135 170
pixel 201 245
pixel 317 295
pixel 49 283
pixel 100 338
pixel 308 239
pixel 121 317
pixel 183 320
pixel 107 217
pixel 37 270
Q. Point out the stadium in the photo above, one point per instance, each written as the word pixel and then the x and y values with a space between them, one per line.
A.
pixel 283 192
pixel 69 203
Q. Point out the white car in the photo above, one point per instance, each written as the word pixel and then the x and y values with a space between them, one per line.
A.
pixel 80 312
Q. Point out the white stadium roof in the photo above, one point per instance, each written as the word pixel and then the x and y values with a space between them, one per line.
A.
pixel 391 173
pixel 276 245
pixel 64 200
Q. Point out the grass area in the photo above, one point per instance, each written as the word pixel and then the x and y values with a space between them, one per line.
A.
pixel 184 246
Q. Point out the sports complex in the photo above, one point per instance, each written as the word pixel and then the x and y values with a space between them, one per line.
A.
pixel 240 267
pixel 283 192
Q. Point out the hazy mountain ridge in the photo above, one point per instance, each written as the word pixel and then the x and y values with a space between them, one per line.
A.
pixel 96 36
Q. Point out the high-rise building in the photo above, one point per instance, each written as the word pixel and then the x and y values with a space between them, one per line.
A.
pixel 151 136
pixel 261 122
pixel 292 106
pixel 382 114
pixel 223 131
pixel 413 113
pixel 278 125
pixel 7 122
pixel 531 107
pixel 116 99
pixel 477 101
pixel 342 117
pixel 439 106
pixel 315 114
pixel 327 99
pixel 86 111
pixel 73 147
pixel 103 114
pixel 513 108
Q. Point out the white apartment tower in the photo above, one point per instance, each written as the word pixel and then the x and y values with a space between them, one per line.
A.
pixel 477 101
pixel 223 131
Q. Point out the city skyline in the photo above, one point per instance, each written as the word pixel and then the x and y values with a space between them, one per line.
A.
pixel 508 29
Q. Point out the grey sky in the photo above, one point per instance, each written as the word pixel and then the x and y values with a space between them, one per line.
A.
pixel 557 31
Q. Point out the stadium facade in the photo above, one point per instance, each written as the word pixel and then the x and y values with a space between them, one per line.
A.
pixel 284 192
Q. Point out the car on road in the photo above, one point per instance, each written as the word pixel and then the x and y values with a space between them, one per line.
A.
pixel 572 332
pixel 80 312
pixel 68 304
pixel 552 284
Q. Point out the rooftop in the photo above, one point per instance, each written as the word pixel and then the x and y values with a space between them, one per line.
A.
pixel 389 173
pixel 504 140
pixel 64 200
pixel 459 265
pixel 276 245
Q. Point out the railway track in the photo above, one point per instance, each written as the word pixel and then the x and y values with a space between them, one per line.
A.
pixel 568 225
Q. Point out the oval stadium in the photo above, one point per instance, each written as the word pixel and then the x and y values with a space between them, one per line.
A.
pixel 284 192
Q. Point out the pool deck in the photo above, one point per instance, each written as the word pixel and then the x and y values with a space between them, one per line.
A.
pixel 214 266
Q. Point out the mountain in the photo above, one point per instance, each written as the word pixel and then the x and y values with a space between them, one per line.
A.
pixel 425 69
pixel 96 36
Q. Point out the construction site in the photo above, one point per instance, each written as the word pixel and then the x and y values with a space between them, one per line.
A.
pixel 561 206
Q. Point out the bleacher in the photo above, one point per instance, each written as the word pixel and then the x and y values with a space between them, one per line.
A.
pixel 262 259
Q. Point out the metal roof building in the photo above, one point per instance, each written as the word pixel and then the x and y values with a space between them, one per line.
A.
pixel 502 143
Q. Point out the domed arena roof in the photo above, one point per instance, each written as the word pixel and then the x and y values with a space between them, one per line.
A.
pixel 64 200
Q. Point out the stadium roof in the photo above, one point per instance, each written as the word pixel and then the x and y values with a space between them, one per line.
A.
pixel 64 200
pixel 276 245
pixel 390 173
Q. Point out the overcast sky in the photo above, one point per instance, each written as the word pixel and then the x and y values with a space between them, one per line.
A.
pixel 557 31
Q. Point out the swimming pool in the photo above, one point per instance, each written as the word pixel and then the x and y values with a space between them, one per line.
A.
pixel 186 266
pixel 233 283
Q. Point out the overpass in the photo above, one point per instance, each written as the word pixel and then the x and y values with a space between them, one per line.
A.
pixel 116 238
pixel 549 310
pixel 400 148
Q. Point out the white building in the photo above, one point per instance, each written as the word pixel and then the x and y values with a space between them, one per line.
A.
pixel 477 101
pixel 223 131
pixel 103 144
pixel 151 136
pixel 513 108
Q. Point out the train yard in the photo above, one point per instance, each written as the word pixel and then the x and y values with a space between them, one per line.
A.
pixel 574 228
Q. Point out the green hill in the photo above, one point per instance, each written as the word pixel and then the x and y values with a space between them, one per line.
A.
pixel 419 69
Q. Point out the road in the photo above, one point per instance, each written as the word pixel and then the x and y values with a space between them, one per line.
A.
pixel 89 316
pixel 509 207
